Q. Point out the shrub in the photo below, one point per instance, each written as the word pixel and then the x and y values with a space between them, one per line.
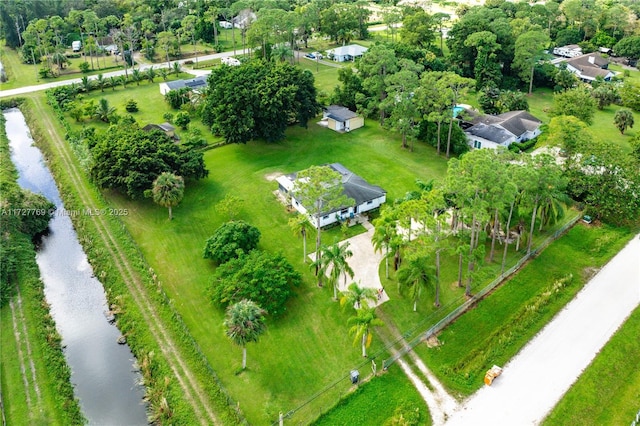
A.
pixel 259 276
pixel 168 117
pixel 231 240
pixel 84 66
pixel 131 106
pixel 182 120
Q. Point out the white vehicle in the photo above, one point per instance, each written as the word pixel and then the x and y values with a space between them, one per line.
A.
pixel 76 45
pixel 230 61
pixel 226 24
pixel 317 55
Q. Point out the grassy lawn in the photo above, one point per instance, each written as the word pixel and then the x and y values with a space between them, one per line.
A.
pixel 608 392
pixel 493 332
pixel 21 74
pixel 390 390
pixel 309 347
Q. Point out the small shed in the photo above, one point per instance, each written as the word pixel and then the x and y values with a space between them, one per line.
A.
pixel 167 128
pixel 342 119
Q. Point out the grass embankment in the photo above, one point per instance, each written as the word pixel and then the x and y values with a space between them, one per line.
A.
pixel 500 325
pixel 608 392
pixel 173 368
pixel 378 400
pixel 35 378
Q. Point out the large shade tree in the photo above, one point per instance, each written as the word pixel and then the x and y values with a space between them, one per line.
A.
pixel 245 322
pixel 168 190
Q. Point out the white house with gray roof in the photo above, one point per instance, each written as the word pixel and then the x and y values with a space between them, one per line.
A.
pixel 364 195
pixel 492 131
pixel 198 83
pixel 346 53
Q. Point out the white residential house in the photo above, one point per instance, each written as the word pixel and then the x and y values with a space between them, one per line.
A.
pixel 492 131
pixel 589 67
pixel 365 196
pixel 346 53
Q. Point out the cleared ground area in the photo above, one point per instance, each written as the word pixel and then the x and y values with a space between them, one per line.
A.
pixel 535 380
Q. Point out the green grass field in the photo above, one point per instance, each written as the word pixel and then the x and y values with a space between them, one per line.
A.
pixel 608 392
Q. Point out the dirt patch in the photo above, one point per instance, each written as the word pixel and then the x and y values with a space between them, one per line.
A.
pixel 272 176
pixel 589 272
pixel 432 342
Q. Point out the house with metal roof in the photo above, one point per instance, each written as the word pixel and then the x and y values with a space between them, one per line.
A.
pixel 492 131
pixel 198 83
pixel 364 196
pixel 346 53
pixel 342 119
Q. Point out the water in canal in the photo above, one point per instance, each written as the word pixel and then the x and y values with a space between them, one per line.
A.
pixel 102 371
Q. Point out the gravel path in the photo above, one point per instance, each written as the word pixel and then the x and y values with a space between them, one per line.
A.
pixel 537 378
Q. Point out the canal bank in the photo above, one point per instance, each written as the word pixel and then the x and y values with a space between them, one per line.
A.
pixel 102 371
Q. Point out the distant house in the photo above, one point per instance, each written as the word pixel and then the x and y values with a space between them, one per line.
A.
pixel 590 66
pixel 198 83
pixel 492 131
pixel 366 196
pixel 346 53
pixel 167 128
pixel 342 119
pixel 568 51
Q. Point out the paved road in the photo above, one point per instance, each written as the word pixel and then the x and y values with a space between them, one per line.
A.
pixel 535 380
pixel 141 67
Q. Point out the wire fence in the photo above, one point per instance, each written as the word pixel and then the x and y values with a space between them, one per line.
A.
pixel 636 421
pixel 461 308
pixel 332 393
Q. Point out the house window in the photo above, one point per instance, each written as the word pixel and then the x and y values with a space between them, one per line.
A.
pixel 343 212
pixel 369 202
pixel 477 144
pixel 325 217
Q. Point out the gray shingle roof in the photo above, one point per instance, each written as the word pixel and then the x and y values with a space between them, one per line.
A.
pixel 490 132
pixel 499 128
pixel 193 83
pixel 339 113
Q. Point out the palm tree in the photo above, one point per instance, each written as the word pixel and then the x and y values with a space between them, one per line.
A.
pixel 151 74
pixel 104 111
pixel 86 84
pixel 385 231
pixel 361 325
pixel 100 80
pixel 357 296
pixel 163 73
pixel 245 322
pixel 114 82
pixel 168 190
pixel 136 76
pixel 415 275
pixel 177 69
pixel 335 256
pixel 281 53
pixel 300 225
pixel 623 119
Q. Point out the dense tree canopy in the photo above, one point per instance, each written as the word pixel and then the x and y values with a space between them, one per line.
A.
pixel 258 100
pixel 231 240
pixel 129 159
pixel 264 278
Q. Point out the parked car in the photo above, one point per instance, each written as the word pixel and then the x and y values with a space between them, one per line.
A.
pixel 310 56
pixel 318 55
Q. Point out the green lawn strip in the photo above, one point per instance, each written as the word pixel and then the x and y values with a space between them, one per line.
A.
pixel 130 321
pixel 375 402
pixel 492 333
pixel 57 404
pixel 608 392
pixel 634 74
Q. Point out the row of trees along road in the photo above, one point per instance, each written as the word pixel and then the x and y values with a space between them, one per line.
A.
pixel 487 194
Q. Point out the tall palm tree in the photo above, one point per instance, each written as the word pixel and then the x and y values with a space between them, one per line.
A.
pixel 300 225
pixel 416 274
pixel 168 190
pixel 357 296
pixel 361 327
pixel 335 257
pixel 385 231
pixel 245 322
pixel 104 111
